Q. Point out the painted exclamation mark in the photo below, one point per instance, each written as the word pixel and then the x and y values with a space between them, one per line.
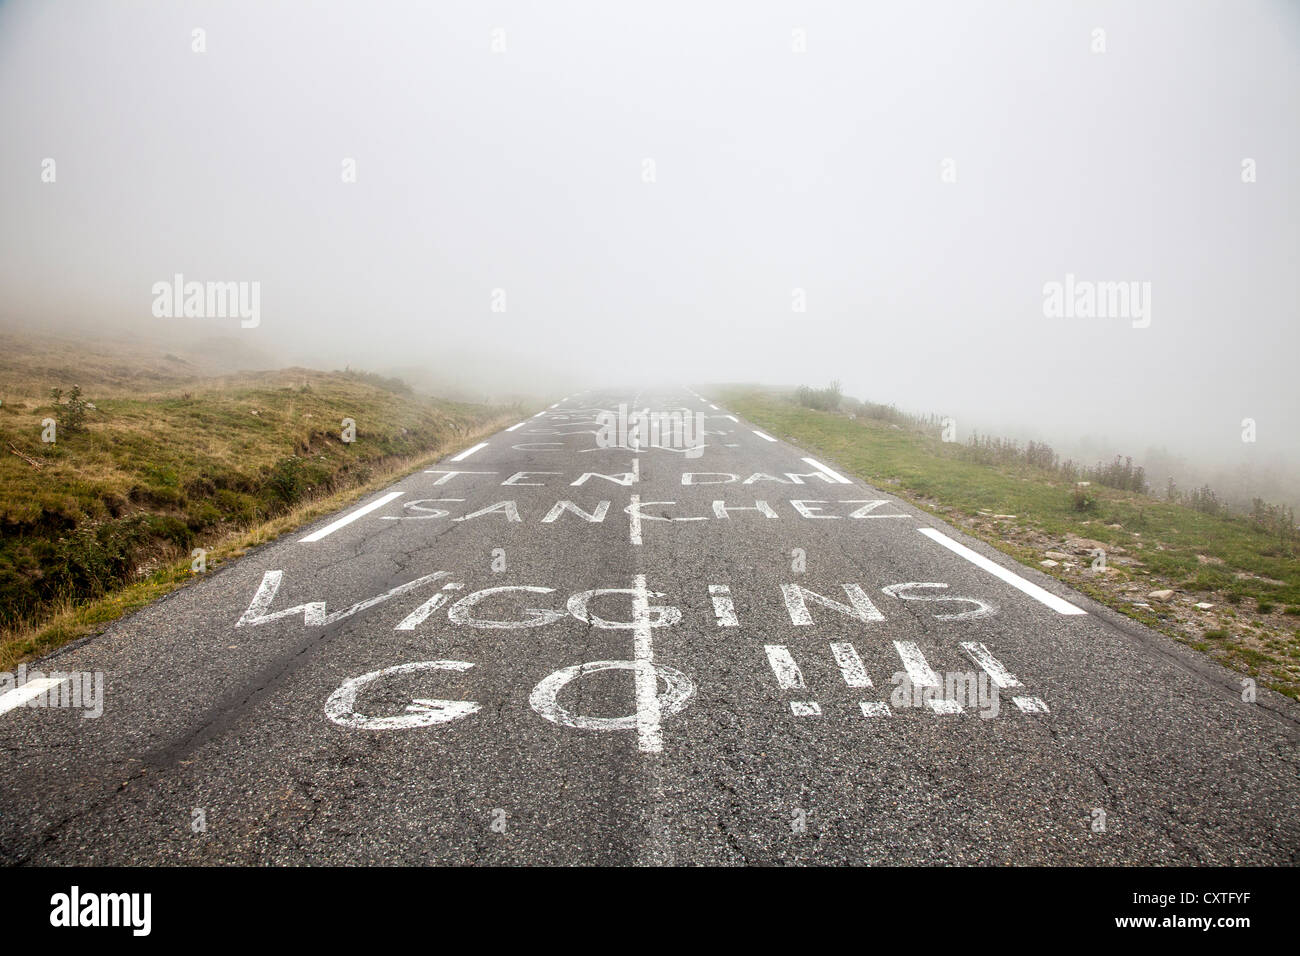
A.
pixel 789 677
pixel 854 673
pixel 724 608
pixel 921 674
pixel 1003 678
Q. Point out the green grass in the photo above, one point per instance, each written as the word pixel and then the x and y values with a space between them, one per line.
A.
pixel 104 520
pixel 1218 558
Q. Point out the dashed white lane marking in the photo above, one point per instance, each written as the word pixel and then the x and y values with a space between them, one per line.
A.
pixel 733 418
pixel 714 407
pixel 875 708
pixel 21 695
pixel 851 667
pixel 347 519
pixel 634 520
pixel 469 451
pixel 918 671
pixel 1057 604
pixel 990 664
pixel 805 708
pixel 763 436
pixel 513 427
pixel 788 675
pixel 835 475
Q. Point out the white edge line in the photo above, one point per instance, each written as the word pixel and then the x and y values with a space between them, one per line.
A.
pixel 21 695
pixel 513 427
pixel 1059 605
pixel 469 451
pixel 350 517
pixel 763 435
pixel 829 471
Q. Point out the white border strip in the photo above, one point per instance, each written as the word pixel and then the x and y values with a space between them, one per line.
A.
pixel 1059 605
pixel 21 695
pixel 469 451
pixel 347 519
pixel 830 472
pixel 763 436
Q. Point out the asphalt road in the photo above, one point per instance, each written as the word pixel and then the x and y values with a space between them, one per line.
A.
pixel 683 681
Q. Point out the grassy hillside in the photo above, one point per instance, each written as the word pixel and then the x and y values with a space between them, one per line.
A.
pixel 1249 571
pixel 167 460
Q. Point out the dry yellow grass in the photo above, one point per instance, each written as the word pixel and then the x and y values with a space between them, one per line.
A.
pixel 169 459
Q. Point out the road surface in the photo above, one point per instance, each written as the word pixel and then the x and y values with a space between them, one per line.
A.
pixel 546 650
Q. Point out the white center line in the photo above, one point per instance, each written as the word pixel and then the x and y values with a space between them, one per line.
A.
pixel 347 519
pixel 1059 605
pixel 649 738
pixel 763 436
pixel 634 520
pixel 21 695
pixel 835 475
pixel 469 451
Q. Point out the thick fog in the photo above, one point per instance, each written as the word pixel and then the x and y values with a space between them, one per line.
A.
pixel 552 194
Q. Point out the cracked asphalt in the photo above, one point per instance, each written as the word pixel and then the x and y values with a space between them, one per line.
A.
pixel 694 740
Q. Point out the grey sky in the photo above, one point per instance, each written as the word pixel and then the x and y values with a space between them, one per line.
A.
pixel 774 170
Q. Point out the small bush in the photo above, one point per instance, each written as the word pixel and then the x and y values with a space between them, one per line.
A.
pixel 72 413
pixel 1121 474
pixel 1204 500
pixel 821 399
pixel 285 481
pixel 1083 500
